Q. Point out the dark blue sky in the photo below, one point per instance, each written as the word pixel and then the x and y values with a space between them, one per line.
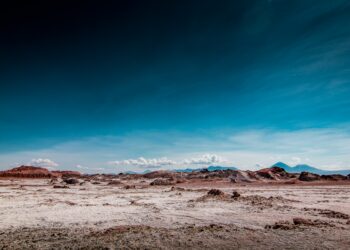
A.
pixel 201 69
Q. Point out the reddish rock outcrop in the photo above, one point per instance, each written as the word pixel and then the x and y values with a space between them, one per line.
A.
pixel 27 172
pixel 274 173
pixel 242 176
pixel 36 172
pixel 266 174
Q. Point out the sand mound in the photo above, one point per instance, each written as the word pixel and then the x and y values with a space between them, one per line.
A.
pixel 162 182
pixel 241 176
pixel 66 174
pixel 298 223
pixel 159 174
pixel 114 183
pixel 214 194
pixel 328 213
pixel 334 177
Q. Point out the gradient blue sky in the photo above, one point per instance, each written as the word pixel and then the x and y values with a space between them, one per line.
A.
pixel 131 85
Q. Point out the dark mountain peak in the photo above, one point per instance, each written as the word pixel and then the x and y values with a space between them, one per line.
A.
pixel 214 168
pixel 280 165
pixel 305 168
pixel 209 169
pixel 302 166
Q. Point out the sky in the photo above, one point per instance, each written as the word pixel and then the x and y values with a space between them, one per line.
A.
pixel 111 86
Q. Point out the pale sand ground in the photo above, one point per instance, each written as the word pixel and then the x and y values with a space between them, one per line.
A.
pixel 34 207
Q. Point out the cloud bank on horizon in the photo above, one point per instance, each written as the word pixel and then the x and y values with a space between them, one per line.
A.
pixel 141 162
pixel 159 84
pixel 326 148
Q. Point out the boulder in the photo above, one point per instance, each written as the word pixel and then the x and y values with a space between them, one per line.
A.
pixel 235 195
pixel 71 181
pixel 302 221
pixel 282 225
pixel 306 176
pixel 66 173
pixel 60 186
pixel 215 192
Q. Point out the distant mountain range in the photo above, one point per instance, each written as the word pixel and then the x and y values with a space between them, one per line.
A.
pixel 210 169
pixel 306 168
pixel 296 169
pixel 187 170
pixel 133 172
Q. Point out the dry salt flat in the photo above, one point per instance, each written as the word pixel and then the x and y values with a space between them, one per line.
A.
pixel 95 215
pixel 35 203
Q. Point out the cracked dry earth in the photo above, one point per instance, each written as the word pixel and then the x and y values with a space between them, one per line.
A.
pixel 34 215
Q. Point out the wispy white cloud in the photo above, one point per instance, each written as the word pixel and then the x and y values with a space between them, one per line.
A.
pixel 81 167
pixel 89 169
pixel 39 162
pixel 141 162
pixel 205 159
pixel 144 163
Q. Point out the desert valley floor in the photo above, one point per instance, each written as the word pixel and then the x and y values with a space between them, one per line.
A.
pixel 105 213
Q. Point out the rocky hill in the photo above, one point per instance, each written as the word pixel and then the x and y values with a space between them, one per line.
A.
pixel 36 172
pixel 306 168
pixel 266 175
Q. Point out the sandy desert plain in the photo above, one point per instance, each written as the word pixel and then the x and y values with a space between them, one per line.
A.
pixel 270 209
